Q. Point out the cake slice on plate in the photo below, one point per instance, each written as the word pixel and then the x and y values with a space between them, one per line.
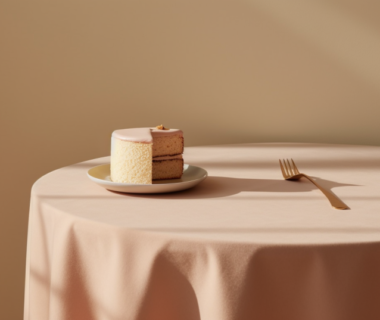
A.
pixel 140 155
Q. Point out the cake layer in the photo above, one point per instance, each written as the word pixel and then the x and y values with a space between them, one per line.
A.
pixel 131 162
pixel 167 145
pixel 167 168
pixel 165 142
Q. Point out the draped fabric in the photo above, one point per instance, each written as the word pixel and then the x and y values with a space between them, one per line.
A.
pixel 244 244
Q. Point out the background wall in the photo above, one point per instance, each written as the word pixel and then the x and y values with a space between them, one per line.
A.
pixel 225 71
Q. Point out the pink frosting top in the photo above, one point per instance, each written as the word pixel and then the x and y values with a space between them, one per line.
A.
pixel 144 135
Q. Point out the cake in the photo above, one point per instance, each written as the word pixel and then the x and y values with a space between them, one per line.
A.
pixel 141 155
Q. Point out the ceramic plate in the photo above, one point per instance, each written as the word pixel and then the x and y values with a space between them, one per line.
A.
pixel 191 177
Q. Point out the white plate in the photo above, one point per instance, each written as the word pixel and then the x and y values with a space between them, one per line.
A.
pixel 191 177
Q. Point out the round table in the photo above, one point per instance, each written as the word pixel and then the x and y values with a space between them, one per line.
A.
pixel 243 244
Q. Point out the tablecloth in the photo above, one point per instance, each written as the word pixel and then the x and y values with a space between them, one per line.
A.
pixel 243 244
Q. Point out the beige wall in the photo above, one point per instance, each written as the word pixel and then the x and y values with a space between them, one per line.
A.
pixel 223 71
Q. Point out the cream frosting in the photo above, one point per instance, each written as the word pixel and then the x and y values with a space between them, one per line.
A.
pixel 143 135
pixel 161 158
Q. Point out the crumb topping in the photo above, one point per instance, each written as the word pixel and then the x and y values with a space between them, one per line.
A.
pixel 161 127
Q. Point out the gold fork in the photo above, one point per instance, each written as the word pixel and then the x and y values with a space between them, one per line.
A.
pixel 290 172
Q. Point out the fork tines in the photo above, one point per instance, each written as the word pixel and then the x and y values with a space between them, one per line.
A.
pixel 288 169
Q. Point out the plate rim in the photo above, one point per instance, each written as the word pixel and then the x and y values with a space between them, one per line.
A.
pixel 121 184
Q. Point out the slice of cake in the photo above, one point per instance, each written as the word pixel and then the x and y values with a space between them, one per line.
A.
pixel 141 155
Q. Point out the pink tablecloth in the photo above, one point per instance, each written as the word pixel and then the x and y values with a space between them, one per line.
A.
pixel 244 244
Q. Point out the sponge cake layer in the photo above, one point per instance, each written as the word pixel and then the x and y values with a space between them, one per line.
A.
pixel 131 162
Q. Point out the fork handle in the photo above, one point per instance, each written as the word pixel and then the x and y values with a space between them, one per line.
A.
pixel 334 200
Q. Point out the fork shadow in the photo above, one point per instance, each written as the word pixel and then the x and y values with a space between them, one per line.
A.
pixel 219 187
